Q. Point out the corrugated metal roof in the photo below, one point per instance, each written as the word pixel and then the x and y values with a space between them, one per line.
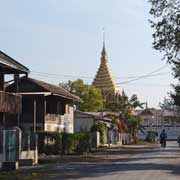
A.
pixel 97 115
pixel 10 65
pixel 56 90
pixel 40 87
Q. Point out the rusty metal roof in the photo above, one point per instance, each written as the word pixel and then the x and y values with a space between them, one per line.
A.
pixel 11 66
pixel 30 86
pixel 56 90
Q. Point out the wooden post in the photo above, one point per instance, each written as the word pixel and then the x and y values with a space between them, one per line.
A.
pixel 18 116
pixel 2 89
pixel 16 80
pixel 45 111
pixel 34 115
pixel 57 107
pixel 1 81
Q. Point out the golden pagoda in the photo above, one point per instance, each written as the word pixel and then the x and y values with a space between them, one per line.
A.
pixel 104 79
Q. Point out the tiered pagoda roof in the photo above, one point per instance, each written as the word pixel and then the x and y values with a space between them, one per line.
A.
pixel 104 79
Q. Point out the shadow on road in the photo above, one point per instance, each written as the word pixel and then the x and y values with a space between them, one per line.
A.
pixel 99 170
pixel 141 160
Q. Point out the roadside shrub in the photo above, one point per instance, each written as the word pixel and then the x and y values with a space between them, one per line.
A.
pixel 77 142
pixel 102 129
pixel 85 143
pixel 49 142
pixel 151 136
pixel 68 143
pixel 52 143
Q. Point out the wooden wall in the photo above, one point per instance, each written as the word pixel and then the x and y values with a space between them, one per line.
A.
pixel 10 103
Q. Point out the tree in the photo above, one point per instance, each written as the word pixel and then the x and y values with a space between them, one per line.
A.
pixel 122 116
pixel 167 104
pixel 124 104
pixel 166 25
pixel 91 96
pixel 134 125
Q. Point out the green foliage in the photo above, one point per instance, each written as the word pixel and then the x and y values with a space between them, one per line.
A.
pixel 63 143
pixel 49 142
pixel 151 136
pixel 85 142
pixel 124 104
pixel 169 104
pixel 123 118
pixel 166 25
pixel 77 142
pixel 102 129
pixel 91 96
pixel 68 143
pixel 134 124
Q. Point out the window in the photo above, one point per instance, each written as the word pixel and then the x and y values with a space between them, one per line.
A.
pixel 146 122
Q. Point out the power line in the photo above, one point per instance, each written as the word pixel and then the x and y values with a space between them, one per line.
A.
pixel 134 78
pixel 148 84
pixel 59 75
pixel 151 74
pixel 142 77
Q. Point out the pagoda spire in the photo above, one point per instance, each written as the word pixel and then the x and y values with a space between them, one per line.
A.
pixel 103 79
pixel 103 53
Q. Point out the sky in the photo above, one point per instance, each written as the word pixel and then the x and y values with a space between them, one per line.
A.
pixel 64 37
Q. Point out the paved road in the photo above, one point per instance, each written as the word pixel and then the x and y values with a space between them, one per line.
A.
pixel 146 164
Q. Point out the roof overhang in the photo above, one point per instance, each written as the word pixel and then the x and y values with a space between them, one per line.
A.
pixel 35 93
pixel 96 117
pixel 11 66
pixel 46 94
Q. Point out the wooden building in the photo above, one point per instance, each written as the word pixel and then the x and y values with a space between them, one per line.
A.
pixel 11 150
pixel 45 107
pixel 10 103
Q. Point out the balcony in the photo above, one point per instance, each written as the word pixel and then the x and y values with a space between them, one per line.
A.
pixel 53 118
pixel 10 103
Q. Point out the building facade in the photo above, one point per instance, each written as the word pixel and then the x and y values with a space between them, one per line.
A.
pixel 157 120
pixel 10 103
pixel 12 151
pixel 45 107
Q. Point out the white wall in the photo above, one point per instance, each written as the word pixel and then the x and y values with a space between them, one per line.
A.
pixel 172 132
pixel 66 122
pixel 82 122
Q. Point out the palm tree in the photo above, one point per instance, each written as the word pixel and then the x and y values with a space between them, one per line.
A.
pixel 122 114
pixel 135 103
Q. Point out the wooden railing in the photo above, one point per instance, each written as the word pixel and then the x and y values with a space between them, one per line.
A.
pixel 10 103
pixel 53 118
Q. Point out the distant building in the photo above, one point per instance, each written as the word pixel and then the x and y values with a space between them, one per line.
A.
pixel 83 121
pixel 104 79
pixel 157 120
